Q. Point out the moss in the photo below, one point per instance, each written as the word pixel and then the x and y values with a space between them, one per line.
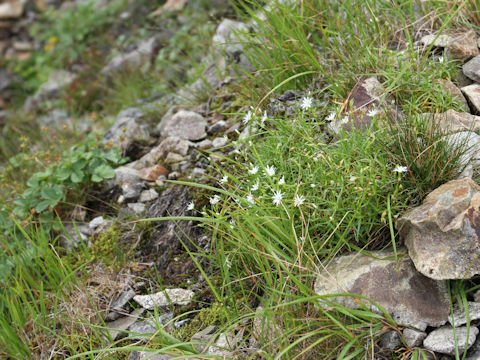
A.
pixel 107 248
pixel 213 315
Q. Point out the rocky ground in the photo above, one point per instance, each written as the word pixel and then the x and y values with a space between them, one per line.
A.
pixel 152 276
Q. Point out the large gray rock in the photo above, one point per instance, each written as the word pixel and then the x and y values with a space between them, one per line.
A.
pixel 454 121
pixel 452 90
pixel 411 298
pixel 115 328
pixel 442 340
pixel 471 69
pixel 442 235
pixel 463 46
pixel 184 124
pixel 128 129
pixel 228 35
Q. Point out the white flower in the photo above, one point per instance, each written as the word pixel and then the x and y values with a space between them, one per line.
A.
pixel 281 181
pixel 306 103
pixel 312 185
pixel 400 169
pixel 352 178
pixel 344 120
pixel 277 197
pixel 298 200
pixel 270 170
pixel 255 187
pixel 372 112
pixel 253 170
pixel 191 206
pixel 232 223
pixel 247 117
pixel 264 117
pixel 250 199
pixel 214 199
pixel 331 116
pixel 224 179
pixel 227 263
pixel 441 59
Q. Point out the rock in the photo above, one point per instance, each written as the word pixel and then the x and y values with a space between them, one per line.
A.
pixel 460 317
pixel 472 93
pixel 147 355
pixel 391 340
pixel 142 327
pixel 197 172
pixel 128 129
pixel 137 208
pixel 96 222
pixel 201 338
pixel 469 143
pixel 442 340
pixel 117 327
pixel 148 195
pixel 367 96
pixel 471 69
pixel 57 81
pixel 143 54
pixel 228 36
pixel 55 119
pixel 219 126
pixel 165 298
pixel 10 9
pixel 204 144
pixel 185 125
pixel 411 298
pixel 220 142
pixel 442 235
pixel 152 173
pixel 224 345
pixel 413 338
pixel 74 235
pixel 451 89
pixel 454 121
pixel 441 41
pixel 170 144
pixel 173 158
pixel 5 80
pixel 117 305
pixel 125 175
pixel 463 47
pixel 131 191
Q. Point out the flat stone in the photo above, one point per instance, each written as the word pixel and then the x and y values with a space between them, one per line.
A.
pixel 471 69
pixel 442 235
pixel 11 9
pixel 464 46
pixel 137 208
pixel 141 327
pixel 152 173
pixel 203 337
pixel 173 158
pixel 148 195
pixel 96 222
pixel 131 191
pixel 442 340
pixel 228 36
pixel 472 94
pixel 469 143
pixel 204 144
pixel 118 304
pixel 184 124
pixel 408 296
pixel 165 298
pixel 451 89
pixel 441 41
pixel 144 355
pixel 116 327
pixel 454 121
pixel 220 142
pixel 413 338
pixel 460 317
pixel 219 126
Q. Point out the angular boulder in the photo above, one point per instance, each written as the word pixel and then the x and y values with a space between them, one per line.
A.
pixel 464 46
pixel 128 128
pixel 454 121
pixel 408 296
pixel 442 235
pixel 443 340
pixel 471 69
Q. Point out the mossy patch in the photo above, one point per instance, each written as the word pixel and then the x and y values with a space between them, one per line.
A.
pixel 108 249
pixel 213 315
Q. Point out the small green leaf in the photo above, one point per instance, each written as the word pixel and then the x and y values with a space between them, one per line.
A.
pixel 42 206
pixel 52 193
pixel 76 177
pixel 105 172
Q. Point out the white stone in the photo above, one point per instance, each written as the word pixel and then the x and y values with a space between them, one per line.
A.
pixel 165 298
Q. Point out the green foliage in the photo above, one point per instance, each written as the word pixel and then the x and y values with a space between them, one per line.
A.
pixel 106 248
pixel 83 164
